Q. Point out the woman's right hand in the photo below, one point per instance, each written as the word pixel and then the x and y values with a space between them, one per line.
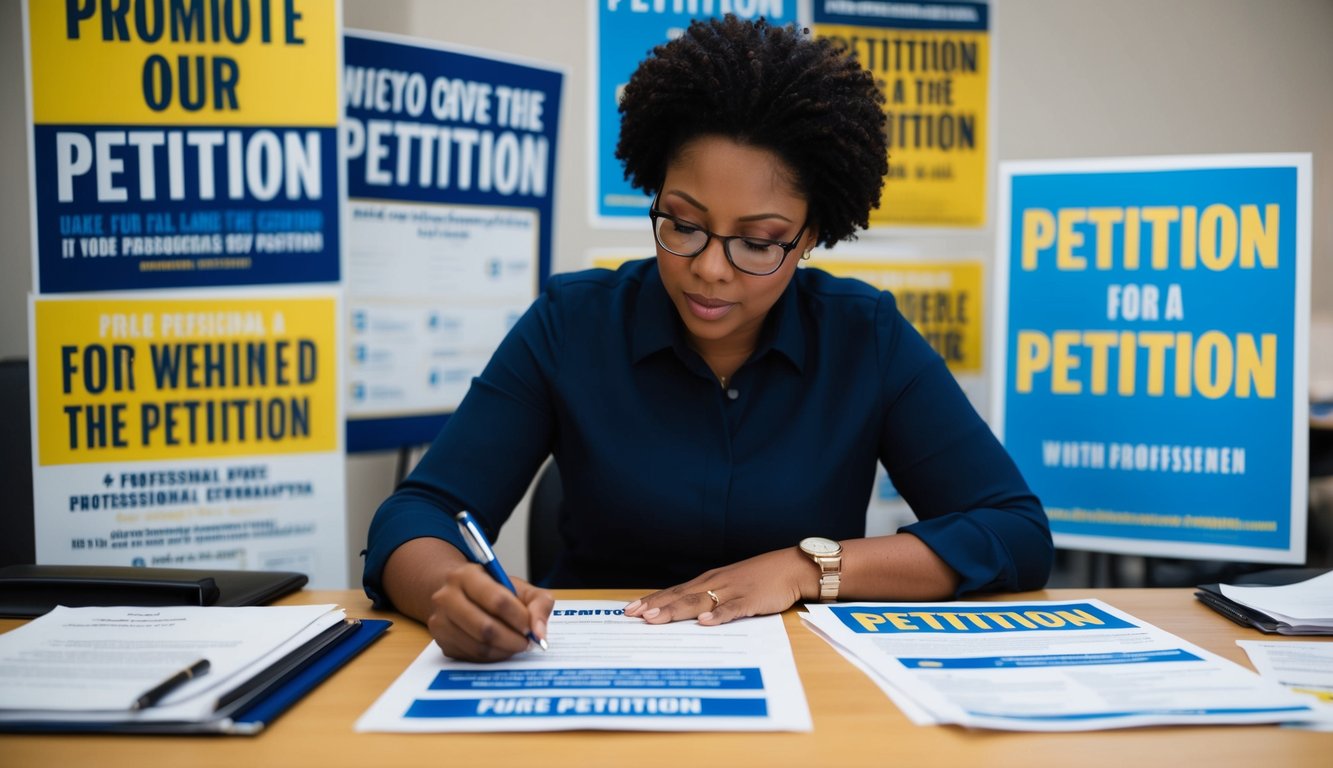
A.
pixel 467 612
pixel 474 618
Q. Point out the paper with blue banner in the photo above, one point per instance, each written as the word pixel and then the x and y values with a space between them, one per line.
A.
pixel 451 180
pixel 625 31
pixel 608 672
pixel 1046 666
pixel 1152 331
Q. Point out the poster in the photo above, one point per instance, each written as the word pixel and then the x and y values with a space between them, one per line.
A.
pixel 1152 331
pixel 942 299
pixel 183 144
pixel 933 63
pixel 625 31
pixel 451 177
pixel 191 431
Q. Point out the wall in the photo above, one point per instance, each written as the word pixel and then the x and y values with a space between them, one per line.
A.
pixel 1075 78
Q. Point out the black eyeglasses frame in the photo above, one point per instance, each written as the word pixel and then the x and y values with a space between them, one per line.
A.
pixel 654 213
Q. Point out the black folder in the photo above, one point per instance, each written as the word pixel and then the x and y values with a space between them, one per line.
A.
pixel 1211 596
pixel 27 591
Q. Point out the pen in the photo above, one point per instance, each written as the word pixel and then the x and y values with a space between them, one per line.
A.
pixel 483 554
pixel 158 692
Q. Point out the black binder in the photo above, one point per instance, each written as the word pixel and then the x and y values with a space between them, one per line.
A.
pixel 27 591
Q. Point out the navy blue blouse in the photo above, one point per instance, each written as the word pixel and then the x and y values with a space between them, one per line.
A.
pixel 666 474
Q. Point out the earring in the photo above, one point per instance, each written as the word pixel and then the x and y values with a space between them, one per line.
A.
pixel 806 256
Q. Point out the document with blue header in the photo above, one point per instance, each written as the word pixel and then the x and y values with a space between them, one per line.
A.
pixel 1047 666
pixel 607 671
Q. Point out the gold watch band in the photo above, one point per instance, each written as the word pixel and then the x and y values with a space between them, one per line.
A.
pixel 830 578
pixel 827 556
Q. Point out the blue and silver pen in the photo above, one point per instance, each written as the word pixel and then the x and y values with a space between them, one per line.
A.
pixel 483 554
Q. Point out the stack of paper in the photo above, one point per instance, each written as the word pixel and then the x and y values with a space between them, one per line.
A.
pixel 1303 608
pixel 90 668
pixel 1046 666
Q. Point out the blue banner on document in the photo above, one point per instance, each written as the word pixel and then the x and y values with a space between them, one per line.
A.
pixel 1051 660
pixel 583 706
pixel 897 619
pixel 743 678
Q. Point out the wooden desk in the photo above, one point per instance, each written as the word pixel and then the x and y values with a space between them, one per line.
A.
pixel 855 724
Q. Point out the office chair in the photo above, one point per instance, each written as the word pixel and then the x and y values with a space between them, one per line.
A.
pixel 17 542
pixel 544 543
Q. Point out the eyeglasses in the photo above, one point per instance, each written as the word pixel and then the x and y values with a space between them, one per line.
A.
pixel 754 255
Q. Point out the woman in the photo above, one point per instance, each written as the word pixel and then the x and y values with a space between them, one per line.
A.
pixel 714 407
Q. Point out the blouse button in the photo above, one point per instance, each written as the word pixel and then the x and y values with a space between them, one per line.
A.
pixel 733 393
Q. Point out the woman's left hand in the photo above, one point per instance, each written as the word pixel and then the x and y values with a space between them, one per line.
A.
pixel 768 583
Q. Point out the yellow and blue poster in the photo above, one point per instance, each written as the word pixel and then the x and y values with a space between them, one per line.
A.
pixel 941 299
pixel 1152 330
pixel 932 60
pixel 189 431
pixel 183 144
pixel 625 32
pixel 451 182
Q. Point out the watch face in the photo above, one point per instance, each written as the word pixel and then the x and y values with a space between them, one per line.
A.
pixel 817 545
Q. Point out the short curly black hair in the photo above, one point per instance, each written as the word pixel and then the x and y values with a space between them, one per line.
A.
pixel 774 87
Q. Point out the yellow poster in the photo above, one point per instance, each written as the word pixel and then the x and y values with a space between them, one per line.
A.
pixel 190 431
pixel 240 62
pixel 942 300
pixel 144 379
pixel 932 62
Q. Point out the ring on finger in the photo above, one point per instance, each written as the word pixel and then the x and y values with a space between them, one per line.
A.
pixel 713 596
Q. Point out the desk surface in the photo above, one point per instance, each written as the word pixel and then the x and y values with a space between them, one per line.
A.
pixel 855 724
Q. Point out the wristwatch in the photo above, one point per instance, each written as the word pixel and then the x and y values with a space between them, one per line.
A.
pixel 827 554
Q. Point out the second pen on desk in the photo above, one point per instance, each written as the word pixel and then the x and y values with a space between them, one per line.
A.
pixel 484 555
pixel 158 692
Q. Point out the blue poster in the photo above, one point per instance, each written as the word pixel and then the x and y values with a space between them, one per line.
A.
pixel 451 176
pixel 1153 322
pixel 197 153
pixel 626 31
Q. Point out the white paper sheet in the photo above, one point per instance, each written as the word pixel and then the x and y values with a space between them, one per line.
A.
pixel 1300 667
pixel 1050 666
pixel 94 662
pixel 610 672
pixel 1308 602
pixel 914 712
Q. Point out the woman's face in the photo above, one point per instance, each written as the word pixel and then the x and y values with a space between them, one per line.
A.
pixel 730 189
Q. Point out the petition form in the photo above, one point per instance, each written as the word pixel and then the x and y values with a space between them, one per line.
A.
pixel 1049 666
pixel 610 672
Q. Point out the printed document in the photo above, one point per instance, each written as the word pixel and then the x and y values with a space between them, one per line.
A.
pixel 610 672
pixel 91 664
pixel 1049 666
pixel 1305 668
